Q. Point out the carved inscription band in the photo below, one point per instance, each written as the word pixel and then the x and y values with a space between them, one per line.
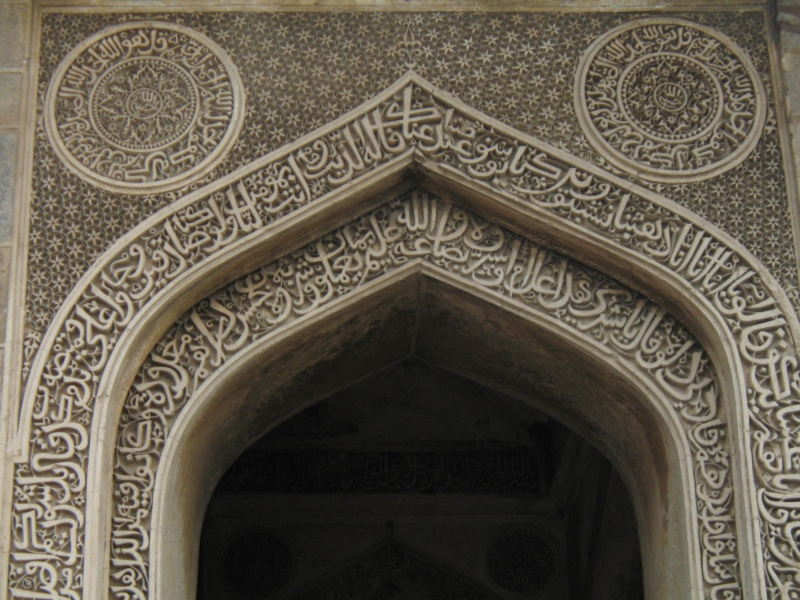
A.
pixel 417 228
pixel 509 471
pixel 411 114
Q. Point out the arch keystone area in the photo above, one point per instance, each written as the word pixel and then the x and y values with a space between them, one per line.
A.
pixel 411 135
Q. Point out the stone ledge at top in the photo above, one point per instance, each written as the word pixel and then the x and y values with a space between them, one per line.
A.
pixel 491 5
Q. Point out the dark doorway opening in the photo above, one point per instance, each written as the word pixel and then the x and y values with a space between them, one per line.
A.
pixel 418 484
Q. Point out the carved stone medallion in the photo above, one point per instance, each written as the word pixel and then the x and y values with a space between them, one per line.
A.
pixel 521 560
pixel 143 107
pixel 669 100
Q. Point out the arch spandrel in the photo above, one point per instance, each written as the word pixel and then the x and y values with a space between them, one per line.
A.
pixel 201 243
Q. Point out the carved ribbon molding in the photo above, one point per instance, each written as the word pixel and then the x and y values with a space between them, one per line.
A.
pixel 59 403
pixel 419 228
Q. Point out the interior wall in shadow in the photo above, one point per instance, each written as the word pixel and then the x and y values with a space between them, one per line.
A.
pixel 417 483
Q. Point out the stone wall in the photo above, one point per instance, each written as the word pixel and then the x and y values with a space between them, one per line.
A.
pixel 773 244
pixel 17 29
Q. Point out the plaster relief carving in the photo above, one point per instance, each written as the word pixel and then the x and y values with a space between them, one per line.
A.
pixel 669 100
pixel 517 67
pixel 144 107
pixel 414 121
pixel 417 228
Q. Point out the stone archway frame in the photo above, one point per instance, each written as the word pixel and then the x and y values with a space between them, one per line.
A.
pixel 129 297
pixel 183 403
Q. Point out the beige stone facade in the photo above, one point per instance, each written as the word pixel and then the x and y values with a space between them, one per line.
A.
pixel 212 217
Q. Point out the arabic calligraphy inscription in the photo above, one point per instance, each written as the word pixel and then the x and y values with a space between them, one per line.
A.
pixel 143 107
pixel 669 100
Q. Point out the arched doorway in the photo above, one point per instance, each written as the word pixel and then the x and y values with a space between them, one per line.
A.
pixel 696 541
pixel 418 483
pixel 535 349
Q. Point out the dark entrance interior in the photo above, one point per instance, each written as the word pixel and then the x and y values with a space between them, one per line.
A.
pixel 418 484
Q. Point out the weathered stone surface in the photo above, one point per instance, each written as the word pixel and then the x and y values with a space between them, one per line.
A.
pixel 8 183
pixel 10 98
pixel 5 268
pixel 13 27
pixel 725 295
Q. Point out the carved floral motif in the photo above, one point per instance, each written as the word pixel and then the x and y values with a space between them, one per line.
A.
pixel 142 107
pixel 50 487
pixel 669 100
pixel 144 104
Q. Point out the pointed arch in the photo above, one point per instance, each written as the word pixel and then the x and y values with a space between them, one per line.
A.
pixel 413 131
pixel 186 388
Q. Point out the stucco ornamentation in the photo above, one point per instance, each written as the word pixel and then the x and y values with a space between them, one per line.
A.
pixel 669 100
pixel 518 67
pixel 414 122
pixel 417 228
pixel 144 107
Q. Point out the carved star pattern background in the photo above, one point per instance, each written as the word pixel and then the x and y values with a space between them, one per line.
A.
pixel 302 70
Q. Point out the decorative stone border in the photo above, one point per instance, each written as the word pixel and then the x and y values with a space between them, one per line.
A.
pixel 144 107
pixel 411 123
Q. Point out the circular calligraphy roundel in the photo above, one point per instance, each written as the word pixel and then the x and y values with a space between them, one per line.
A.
pixel 144 107
pixel 669 100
